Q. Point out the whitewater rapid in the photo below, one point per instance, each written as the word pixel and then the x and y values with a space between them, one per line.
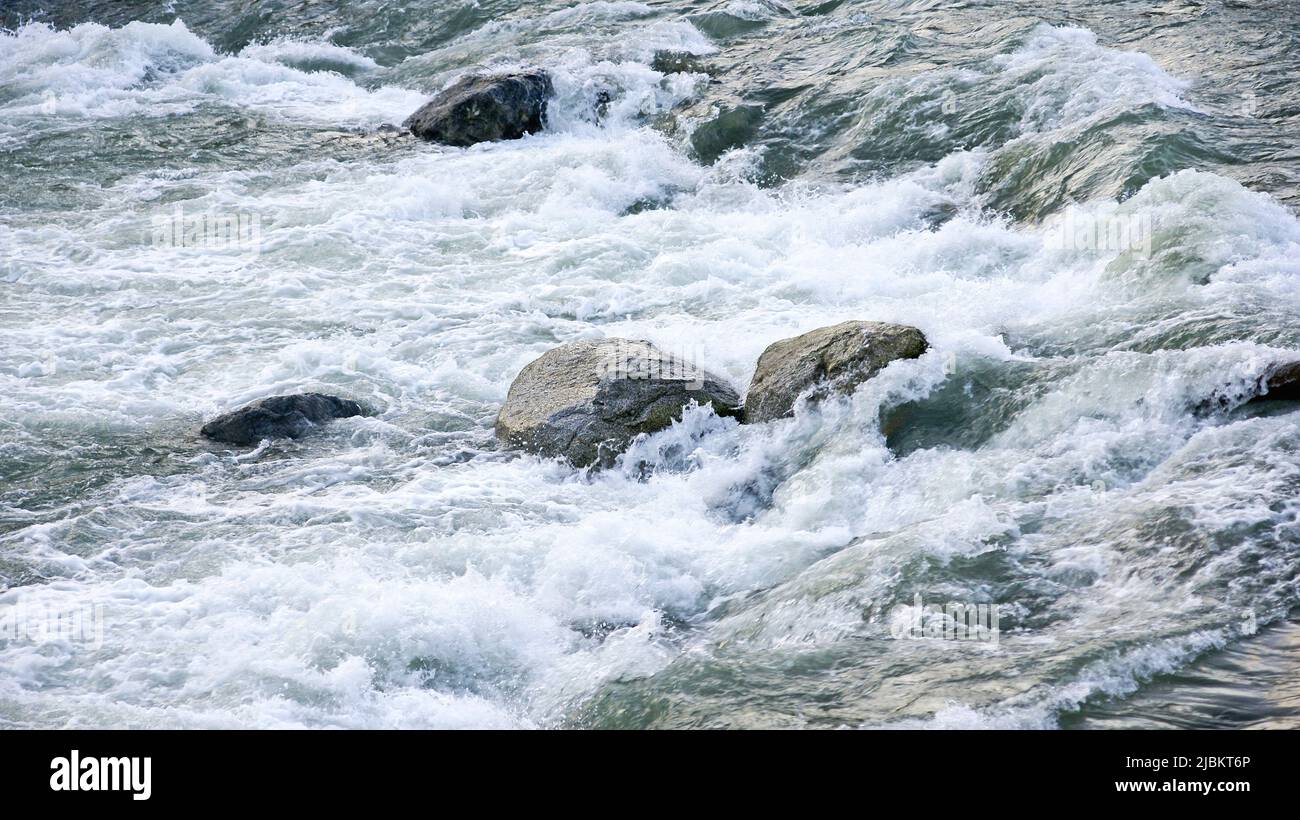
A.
pixel 402 571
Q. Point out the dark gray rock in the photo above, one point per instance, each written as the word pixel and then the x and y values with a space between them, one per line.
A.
pixel 586 400
pixel 1282 383
pixel 279 417
pixel 839 357
pixel 483 109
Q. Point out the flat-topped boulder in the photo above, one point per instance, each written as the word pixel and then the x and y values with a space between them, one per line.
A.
pixel 292 416
pixel 834 359
pixel 484 108
pixel 587 400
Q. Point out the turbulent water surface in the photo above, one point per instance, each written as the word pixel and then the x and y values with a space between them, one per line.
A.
pixel 915 162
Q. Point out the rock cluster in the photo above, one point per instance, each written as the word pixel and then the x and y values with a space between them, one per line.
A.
pixel 586 400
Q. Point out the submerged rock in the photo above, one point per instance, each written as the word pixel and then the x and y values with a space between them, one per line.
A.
pixel 841 357
pixel 730 127
pixel 586 400
pixel 279 417
pixel 1281 382
pixel 680 62
pixel 483 109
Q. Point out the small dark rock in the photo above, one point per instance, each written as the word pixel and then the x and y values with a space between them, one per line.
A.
pixel 603 100
pixel 279 417
pixel 483 109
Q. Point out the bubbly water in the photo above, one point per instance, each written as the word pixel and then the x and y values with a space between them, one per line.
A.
pixel 205 203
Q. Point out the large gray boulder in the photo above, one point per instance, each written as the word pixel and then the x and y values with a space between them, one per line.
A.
pixel 279 417
pixel 838 358
pixel 483 109
pixel 586 400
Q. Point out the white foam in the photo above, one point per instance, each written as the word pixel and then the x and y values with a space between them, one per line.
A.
pixel 155 70
pixel 398 572
pixel 1068 79
pixel 308 54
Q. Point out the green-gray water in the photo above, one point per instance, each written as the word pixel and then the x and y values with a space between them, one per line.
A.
pixel 949 165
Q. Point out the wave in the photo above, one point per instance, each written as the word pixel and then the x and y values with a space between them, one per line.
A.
pixel 154 70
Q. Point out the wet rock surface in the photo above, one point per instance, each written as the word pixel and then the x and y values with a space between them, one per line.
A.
pixel 586 400
pixel 292 416
pixel 839 358
pixel 484 109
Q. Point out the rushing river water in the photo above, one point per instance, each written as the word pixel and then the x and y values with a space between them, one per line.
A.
pixel 933 163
